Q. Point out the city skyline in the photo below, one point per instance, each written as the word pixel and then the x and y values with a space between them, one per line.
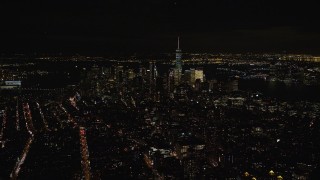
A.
pixel 237 116
pixel 159 89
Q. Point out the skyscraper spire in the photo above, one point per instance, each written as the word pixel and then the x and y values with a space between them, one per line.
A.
pixel 178 42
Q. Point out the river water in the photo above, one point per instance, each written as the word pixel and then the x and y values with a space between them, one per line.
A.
pixel 280 90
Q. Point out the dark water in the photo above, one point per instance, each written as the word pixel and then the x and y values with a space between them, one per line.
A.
pixel 281 90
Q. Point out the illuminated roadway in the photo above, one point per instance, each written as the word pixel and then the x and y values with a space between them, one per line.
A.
pixel 14 174
pixel 85 162
pixel 149 163
pixel 17 117
pixel 3 126
pixel 42 117
pixel 28 118
pixel 4 122
pixel 70 118
pixel 27 115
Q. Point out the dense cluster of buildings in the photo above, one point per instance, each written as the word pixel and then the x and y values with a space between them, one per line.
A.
pixel 197 117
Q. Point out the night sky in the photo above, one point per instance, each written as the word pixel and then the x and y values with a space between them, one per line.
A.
pixel 151 26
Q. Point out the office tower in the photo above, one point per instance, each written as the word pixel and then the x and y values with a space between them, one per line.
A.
pixel 130 74
pixel 150 72
pixel 178 57
pixel 119 74
pixel 199 74
pixel 187 77
pixel 194 74
pixel 198 85
pixel 142 71
pixel 153 73
pixel 170 81
pixel 178 65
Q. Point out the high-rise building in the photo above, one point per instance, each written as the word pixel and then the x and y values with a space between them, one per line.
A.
pixel 153 73
pixel 195 74
pixel 119 74
pixel 197 85
pixel 199 74
pixel 130 74
pixel 150 72
pixel 178 65
pixel 187 77
pixel 142 71
pixel 170 81
pixel 177 76
pixel 178 57
pixel 192 76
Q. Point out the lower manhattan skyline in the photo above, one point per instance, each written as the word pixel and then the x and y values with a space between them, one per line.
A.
pixel 160 89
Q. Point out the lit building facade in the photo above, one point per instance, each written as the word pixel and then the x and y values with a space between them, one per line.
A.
pixel 178 65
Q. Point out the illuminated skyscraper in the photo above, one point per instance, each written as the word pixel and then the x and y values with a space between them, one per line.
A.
pixel 153 73
pixel 199 74
pixel 170 83
pixel 178 57
pixel 178 65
